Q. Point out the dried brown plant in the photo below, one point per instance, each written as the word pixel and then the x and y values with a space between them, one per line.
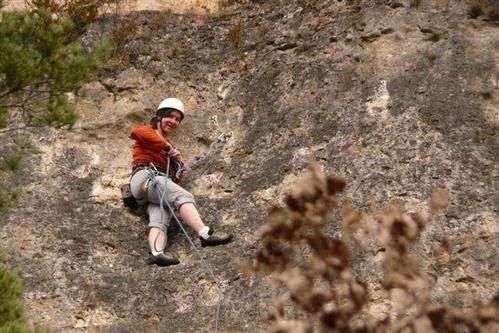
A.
pixel 414 3
pixel 320 283
pixel 488 8
pixel 235 34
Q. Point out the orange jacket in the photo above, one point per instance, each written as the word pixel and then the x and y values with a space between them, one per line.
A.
pixel 149 147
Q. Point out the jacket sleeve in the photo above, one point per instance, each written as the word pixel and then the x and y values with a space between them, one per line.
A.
pixel 147 137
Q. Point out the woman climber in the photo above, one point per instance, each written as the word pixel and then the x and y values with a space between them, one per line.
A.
pixel 156 171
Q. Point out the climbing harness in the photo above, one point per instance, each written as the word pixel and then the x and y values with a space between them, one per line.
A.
pixel 153 182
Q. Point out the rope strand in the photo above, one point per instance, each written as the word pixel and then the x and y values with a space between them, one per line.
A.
pixel 221 139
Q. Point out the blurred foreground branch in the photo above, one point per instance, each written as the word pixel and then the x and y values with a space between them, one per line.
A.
pixel 316 272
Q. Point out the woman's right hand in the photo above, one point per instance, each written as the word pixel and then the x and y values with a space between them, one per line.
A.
pixel 175 153
pixel 172 152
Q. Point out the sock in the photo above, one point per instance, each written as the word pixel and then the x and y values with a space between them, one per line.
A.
pixel 155 253
pixel 157 241
pixel 204 232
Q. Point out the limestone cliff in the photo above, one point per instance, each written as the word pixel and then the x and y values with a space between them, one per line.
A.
pixel 397 100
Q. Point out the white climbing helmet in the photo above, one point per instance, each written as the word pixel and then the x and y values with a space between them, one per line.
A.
pixel 172 103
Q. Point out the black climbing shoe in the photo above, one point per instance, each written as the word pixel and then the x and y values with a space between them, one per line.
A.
pixel 216 238
pixel 162 260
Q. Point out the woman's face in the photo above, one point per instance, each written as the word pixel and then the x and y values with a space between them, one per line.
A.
pixel 170 123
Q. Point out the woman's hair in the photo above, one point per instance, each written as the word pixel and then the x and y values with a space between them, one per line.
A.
pixel 160 114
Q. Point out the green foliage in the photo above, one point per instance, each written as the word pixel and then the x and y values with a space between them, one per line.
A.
pixel 15 195
pixel 12 319
pixel 10 293
pixel 103 50
pixel 4 113
pixel 122 35
pixel 52 5
pixel 80 12
pixel 38 67
pixel 4 199
pixel 12 162
pixel 58 112
pixel 8 197
pixel 9 165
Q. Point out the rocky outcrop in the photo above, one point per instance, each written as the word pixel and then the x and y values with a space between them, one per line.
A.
pixel 397 100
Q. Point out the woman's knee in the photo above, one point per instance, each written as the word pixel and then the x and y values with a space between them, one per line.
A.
pixel 185 198
pixel 158 218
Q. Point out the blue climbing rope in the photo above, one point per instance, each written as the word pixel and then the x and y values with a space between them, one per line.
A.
pixel 152 173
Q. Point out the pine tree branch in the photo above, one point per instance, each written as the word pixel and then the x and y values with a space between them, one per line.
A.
pixel 7 106
pixel 26 87
pixel 41 91
pixel 10 91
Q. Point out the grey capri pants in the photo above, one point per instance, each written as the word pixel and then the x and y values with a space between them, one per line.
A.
pixel 175 195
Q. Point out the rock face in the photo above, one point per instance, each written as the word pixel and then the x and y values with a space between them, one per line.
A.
pixel 398 100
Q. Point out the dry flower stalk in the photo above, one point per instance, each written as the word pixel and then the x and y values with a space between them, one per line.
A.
pixel 320 282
